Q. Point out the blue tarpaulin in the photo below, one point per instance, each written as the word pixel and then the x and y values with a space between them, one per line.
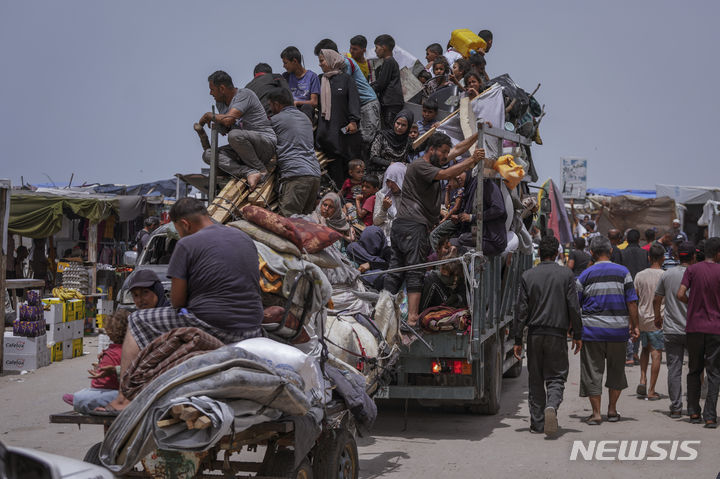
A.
pixel 621 192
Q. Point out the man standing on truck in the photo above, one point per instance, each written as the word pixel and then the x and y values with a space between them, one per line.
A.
pixel 609 316
pixel 548 306
pixel 215 287
pixel 419 212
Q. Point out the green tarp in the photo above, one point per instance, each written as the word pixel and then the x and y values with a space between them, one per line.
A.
pixel 39 215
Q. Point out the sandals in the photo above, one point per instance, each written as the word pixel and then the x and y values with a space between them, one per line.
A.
pixel 656 397
pixel 613 418
pixel 105 411
pixel 641 390
pixel 695 419
pixel 675 414
pixel 711 424
pixel 591 421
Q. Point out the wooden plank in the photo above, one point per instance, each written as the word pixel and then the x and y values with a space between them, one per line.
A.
pixel 167 422
pixel 425 136
pixel 72 417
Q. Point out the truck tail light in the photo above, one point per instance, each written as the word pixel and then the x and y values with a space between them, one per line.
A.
pixel 451 366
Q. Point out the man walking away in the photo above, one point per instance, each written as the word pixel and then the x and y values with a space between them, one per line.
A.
pixel 548 306
pixel 651 336
pixel 703 331
pixel 672 322
pixel 635 259
pixel 616 237
pixel 609 316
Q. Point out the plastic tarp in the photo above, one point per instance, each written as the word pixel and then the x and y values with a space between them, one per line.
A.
pixel 689 195
pixel 39 215
pixel 163 187
pixel 558 219
pixel 620 192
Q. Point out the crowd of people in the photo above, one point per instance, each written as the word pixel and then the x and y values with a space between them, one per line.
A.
pixel 613 296
pixel 391 199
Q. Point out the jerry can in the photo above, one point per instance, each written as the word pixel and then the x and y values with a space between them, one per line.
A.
pixel 465 42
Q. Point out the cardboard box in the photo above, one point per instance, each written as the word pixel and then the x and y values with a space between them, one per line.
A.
pixel 67 349
pixel 76 329
pixel 30 329
pixel 55 332
pixel 56 352
pixel 20 362
pixel 54 313
pixel 21 345
pixel 100 320
pixel 77 347
pixel 105 306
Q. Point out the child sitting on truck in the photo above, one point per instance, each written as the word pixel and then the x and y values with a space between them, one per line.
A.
pixel 104 386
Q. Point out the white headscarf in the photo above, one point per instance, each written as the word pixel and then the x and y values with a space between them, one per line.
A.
pixel 395 173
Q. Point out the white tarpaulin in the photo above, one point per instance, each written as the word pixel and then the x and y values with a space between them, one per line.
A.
pixel 689 195
pixel 711 218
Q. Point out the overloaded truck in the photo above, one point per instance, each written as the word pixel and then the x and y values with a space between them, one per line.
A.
pixel 466 367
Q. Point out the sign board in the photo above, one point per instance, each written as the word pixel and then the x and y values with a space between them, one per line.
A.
pixel 574 178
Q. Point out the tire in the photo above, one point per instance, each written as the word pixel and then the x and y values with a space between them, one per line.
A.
pixel 515 370
pixel 93 455
pixel 282 465
pixel 492 380
pixel 335 456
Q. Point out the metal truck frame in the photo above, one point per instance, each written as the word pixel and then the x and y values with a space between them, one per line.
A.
pixel 467 369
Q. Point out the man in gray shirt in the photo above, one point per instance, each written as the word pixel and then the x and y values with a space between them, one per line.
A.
pixel 298 167
pixel 251 139
pixel 673 324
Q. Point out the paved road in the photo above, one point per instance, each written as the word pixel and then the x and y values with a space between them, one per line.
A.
pixel 436 443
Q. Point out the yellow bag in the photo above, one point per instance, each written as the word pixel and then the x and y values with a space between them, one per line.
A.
pixel 464 40
pixel 511 172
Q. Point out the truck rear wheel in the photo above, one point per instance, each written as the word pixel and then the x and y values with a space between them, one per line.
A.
pixel 283 465
pixel 492 380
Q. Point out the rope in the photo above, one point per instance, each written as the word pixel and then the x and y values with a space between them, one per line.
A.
pixel 424 265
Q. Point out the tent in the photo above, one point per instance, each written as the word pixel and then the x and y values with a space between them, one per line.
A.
pixel 620 192
pixel 689 195
pixel 39 214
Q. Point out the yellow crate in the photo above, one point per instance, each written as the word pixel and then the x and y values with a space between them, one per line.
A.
pixel 56 352
pixel 100 320
pixel 77 347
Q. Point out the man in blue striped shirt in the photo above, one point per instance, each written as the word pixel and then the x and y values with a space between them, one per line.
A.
pixel 610 317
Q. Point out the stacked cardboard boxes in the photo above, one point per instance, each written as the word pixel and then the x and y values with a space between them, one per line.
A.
pixel 65 327
pixel 23 353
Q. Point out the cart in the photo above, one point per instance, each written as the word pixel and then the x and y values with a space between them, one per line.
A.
pixel 334 454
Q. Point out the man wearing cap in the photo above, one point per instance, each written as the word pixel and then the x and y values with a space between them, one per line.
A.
pixel 215 287
pixel 672 322
pixel 677 229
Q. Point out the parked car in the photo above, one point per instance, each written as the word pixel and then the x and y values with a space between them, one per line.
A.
pixel 22 463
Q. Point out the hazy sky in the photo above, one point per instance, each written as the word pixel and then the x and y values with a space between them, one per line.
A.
pixel 110 90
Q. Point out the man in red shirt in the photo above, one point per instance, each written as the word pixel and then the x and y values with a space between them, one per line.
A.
pixel 703 331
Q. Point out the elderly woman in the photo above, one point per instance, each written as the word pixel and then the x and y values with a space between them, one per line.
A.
pixel 392 144
pixel 329 212
pixel 337 131
pixel 388 198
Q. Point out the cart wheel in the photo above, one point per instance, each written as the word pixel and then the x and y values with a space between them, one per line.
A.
pixel 336 456
pixel 281 465
pixel 93 455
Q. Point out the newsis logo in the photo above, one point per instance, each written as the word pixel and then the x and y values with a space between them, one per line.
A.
pixel 635 450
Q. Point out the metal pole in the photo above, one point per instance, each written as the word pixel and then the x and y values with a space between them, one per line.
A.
pixel 478 323
pixel 4 253
pixel 213 159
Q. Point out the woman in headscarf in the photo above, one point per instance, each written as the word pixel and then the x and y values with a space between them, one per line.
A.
pixel 337 131
pixel 473 84
pixel 147 290
pixel 392 144
pixel 329 212
pixel 371 253
pixel 387 199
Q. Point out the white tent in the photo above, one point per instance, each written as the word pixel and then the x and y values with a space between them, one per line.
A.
pixel 689 195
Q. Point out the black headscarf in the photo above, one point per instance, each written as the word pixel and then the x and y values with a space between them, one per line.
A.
pixel 159 291
pixel 398 142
